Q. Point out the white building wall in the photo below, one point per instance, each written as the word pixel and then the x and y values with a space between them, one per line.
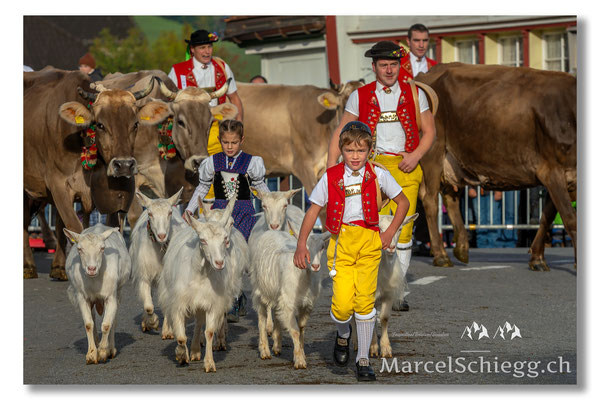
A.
pixel 296 63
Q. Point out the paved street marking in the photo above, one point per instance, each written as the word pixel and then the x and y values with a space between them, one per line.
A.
pixel 426 281
pixel 485 268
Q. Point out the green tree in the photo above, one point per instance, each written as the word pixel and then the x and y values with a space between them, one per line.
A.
pixel 134 53
pixel 121 55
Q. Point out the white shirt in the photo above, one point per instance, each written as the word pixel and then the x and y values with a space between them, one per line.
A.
pixel 206 173
pixel 418 66
pixel 353 210
pixel 390 135
pixel 206 78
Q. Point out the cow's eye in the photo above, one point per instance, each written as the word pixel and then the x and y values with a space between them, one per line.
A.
pixel 136 125
pixel 181 123
pixel 100 126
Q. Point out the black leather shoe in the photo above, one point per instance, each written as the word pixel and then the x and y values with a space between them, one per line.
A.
pixel 364 372
pixel 341 350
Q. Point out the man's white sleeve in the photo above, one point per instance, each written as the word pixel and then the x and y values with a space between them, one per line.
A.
pixel 319 193
pixel 423 103
pixel 173 76
pixel 387 183
pixel 352 103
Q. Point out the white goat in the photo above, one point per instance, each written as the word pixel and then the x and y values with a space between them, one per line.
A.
pixel 391 285
pixel 97 267
pixel 149 241
pixel 237 239
pixel 289 291
pixel 276 213
pixel 200 279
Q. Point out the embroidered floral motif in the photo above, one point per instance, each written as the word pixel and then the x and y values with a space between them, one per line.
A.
pixel 367 176
pixel 341 183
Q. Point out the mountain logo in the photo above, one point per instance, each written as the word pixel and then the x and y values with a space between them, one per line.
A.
pixel 475 330
pixel 507 329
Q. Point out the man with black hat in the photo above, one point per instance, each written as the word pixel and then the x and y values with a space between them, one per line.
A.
pixel 390 109
pixel 205 71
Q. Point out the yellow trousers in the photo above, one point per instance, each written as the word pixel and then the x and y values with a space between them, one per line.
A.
pixel 356 263
pixel 214 147
pixel 410 186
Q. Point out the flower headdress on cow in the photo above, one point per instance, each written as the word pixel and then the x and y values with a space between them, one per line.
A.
pixel 386 50
pixel 200 37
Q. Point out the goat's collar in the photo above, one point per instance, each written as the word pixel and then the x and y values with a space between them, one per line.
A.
pixel 163 246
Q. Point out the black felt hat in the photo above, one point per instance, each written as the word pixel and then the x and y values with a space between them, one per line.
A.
pixel 386 50
pixel 202 37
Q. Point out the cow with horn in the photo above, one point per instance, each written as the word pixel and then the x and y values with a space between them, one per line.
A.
pixel 78 145
pixel 168 156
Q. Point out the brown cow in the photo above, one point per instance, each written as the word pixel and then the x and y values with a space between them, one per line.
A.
pixel 503 128
pixel 191 120
pixel 290 126
pixel 55 115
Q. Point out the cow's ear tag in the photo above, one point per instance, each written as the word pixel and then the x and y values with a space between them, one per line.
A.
pixel 79 119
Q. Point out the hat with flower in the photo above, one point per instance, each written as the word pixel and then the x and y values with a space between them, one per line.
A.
pixel 386 50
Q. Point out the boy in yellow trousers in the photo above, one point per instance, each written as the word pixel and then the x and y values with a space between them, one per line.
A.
pixel 351 191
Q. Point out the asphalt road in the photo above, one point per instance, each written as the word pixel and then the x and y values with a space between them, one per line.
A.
pixel 430 343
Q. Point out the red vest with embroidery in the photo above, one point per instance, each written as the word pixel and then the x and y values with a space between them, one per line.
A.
pixel 406 72
pixel 369 112
pixel 336 198
pixel 186 69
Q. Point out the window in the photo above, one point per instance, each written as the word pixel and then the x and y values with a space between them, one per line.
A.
pixel 556 52
pixel 431 50
pixel 467 51
pixel 511 51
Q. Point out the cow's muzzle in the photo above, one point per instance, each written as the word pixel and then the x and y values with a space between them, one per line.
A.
pixel 119 167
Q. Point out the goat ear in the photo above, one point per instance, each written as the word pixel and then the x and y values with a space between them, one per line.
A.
pixel 230 223
pixel 290 193
pixel 108 232
pixel 71 235
pixel 173 200
pixel 293 232
pixel 228 211
pixel 410 219
pixel 142 198
pixel 204 211
pixel 193 222
pixel 203 208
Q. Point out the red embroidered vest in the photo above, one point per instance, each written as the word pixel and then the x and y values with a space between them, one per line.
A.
pixel 406 73
pixel 336 201
pixel 185 69
pixel 368 112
